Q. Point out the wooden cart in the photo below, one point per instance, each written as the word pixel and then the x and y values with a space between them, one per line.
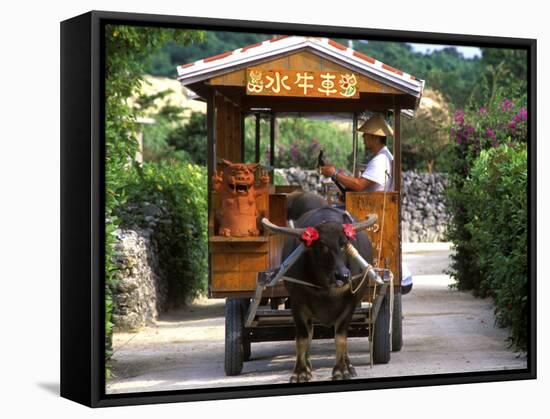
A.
pixel 300 75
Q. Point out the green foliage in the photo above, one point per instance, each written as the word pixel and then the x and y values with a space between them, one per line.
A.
pixel 298 141
pixel 425 139
pixel 191 138
pixel 487 200
pixel 181 189
pixel 127 50
pixel 164 61
pixel 504 73
pixel 155 142
pixel 446 70
pixel 250 140
pixel 173 134
pixel 496 192
pixel 278 179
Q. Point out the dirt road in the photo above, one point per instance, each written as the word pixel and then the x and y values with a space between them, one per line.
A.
pixel 444 331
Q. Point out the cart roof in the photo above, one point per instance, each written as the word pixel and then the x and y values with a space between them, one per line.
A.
pixel 195 75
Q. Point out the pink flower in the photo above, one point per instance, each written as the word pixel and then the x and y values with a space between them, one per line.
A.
pixel 309 236
pixel 482 110
pixel 459 117
pixel 506 105
pixel 490 133
pixel 468 131
pixel 459 138
pixel 350 232
pixel 522 115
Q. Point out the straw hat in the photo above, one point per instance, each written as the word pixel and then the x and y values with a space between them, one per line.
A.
pixel 376 125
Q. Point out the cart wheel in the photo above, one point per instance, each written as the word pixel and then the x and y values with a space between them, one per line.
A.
pixel 246 350
pixel 381 341
pixel 245 303
pixel 234 348
pixel 397 324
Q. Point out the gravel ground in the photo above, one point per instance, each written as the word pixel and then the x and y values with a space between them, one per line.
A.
pixel 444 331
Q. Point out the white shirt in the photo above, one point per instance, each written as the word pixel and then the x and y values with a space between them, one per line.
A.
pixel 376 171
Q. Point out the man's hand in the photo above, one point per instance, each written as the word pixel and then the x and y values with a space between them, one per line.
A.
pixel 328 170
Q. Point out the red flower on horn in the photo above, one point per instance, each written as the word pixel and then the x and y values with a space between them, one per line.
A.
pixel 350 232
pixel 309 236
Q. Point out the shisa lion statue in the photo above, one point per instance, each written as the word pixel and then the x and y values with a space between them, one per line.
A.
pixel 238 215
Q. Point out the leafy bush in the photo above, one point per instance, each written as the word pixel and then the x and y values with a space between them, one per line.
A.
pixel 502 122
pixel 497 208
pixel 191 138
pixel 181 190
pixel 485 198
pixel 127 52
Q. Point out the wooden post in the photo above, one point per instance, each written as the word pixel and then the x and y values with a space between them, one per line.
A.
pixel 397 185
pixel 257 148
pixel 211 162
pixel 272 149
pixel 354 127
pixel 243 134
pixel 211 137
pixel 272 140
pixel 397 149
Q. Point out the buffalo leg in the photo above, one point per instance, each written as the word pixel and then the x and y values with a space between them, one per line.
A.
pixel 302 371
pixel 343 369
pixel 309 339
pixel 351 368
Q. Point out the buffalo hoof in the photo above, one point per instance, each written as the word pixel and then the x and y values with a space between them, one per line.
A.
pixel 300 377
pixel 345 373
pixel 339 375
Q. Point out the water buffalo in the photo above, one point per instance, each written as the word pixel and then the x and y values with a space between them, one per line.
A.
pixel 299 202
pixel 325 265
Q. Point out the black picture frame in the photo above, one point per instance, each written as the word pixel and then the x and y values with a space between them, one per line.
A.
pixel 82 204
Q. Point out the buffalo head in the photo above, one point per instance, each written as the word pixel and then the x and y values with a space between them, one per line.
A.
pixel 326 243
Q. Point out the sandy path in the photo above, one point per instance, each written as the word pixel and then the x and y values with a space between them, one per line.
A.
pixel 444 331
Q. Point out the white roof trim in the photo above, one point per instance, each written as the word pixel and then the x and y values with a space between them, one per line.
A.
pixel 242 57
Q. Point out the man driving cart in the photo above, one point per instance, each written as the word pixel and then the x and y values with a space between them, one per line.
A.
pixel 378 174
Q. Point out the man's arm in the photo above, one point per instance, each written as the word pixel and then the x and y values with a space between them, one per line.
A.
pixel 351 183
pixel 356 184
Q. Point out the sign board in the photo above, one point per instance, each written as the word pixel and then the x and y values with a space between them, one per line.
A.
pixel 301 83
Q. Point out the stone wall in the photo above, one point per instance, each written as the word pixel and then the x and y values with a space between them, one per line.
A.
pixel 137 293
pixel 424 215
pixel 309 180
pixel 424 218
pixel 139 290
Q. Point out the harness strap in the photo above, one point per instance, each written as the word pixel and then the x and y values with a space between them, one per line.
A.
pixel 297 281
pixel 309 284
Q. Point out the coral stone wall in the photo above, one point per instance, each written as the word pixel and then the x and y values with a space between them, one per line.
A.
pixel 424 217
pixel 137 291
pixel 140 289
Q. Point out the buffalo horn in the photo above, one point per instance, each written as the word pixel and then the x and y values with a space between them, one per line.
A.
pixel 283 230
pixel 361 225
